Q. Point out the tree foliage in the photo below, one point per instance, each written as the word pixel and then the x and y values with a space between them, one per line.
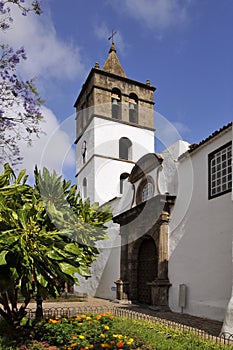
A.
pixel 19 100
pixel 47 236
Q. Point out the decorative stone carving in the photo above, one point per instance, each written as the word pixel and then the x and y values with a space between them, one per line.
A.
pixel 136 227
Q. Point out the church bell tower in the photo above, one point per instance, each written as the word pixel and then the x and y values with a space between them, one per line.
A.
pixel 114 128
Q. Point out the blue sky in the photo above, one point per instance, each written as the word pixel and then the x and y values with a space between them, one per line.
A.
pixel 184 47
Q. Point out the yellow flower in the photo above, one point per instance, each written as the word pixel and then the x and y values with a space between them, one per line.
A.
pixel 88 318
pixel 130 341
pixel 102 335
pixel 118 336
pixel 81 337
pixel 84 316
pixel 106 328
pixel 105 345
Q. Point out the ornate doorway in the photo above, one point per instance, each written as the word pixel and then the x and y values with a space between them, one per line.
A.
pixel 147 269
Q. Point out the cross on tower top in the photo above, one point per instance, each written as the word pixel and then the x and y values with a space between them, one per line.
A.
pixel 112 35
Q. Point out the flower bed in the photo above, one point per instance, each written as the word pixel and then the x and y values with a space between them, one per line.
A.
pixel 82 332
pixel 101 331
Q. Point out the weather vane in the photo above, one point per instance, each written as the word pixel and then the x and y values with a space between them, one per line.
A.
pixel 111 36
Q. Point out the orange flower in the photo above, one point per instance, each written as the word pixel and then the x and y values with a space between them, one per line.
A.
pixel 53 321
pixel 105 345
pixel 119 344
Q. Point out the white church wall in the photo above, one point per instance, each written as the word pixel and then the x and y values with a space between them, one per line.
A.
pixel 108 134
pixel 86 169
pixel 169 176
pixel 228 321
pixel 88 136
pixel 200 241
pixel 125 200
pixel 88 173
pixel 106 269
pixel 107 180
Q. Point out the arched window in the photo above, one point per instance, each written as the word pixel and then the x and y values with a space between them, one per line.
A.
pixel 116 103
pixel 133 108
pixel 145 190
pixel 84 188
pixel 84 151
pixel 123 177
pixel 125 148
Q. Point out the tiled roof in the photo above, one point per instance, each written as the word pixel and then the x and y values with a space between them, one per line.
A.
pixel 217 132
pixel 194 146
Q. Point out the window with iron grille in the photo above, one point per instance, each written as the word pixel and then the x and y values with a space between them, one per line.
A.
pixel 220 171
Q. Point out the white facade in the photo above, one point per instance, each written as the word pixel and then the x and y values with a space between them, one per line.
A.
pixel 103 165
pixel 200 240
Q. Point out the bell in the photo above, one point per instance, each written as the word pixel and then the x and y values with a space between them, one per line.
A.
pixel 114 102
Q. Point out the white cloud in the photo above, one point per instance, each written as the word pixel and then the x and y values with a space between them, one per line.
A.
pixel 159 14
pixel 48 55
pixel 54 148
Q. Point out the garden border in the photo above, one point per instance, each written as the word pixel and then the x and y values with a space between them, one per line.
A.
pixel 224 338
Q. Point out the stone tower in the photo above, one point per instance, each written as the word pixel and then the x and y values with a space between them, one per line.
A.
pixel 114 128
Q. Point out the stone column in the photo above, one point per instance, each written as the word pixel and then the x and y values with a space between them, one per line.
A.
pixel 160 286
pixel 163 246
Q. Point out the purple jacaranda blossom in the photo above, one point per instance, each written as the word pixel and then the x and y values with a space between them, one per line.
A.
pixel 19 100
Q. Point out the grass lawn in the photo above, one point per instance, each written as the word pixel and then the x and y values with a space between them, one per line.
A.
pixel 156 336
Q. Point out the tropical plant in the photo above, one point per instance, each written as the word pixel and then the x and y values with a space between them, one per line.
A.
pixel 48 235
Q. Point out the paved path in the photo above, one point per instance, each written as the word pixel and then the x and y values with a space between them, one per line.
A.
pixel 210 326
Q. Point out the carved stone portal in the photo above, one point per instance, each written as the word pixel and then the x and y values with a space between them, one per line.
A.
pixel 144 245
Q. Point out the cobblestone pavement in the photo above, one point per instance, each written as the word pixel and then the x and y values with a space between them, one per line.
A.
pixel 210 326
